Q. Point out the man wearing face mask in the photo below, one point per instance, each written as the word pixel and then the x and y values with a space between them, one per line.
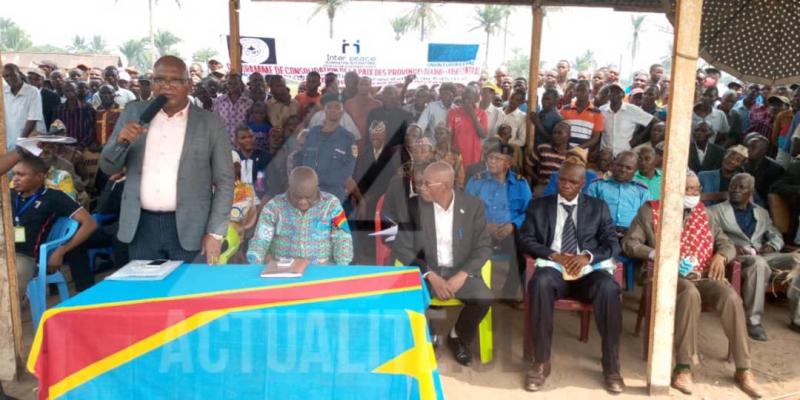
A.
pixel 704 252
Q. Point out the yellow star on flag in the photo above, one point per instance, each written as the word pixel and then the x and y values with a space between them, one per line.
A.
pixel 419 361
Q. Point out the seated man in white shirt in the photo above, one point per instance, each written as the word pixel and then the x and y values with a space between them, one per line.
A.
pixel 450 243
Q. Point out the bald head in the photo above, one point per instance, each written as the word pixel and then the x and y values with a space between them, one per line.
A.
pixel 172 62
pixel 440 172
pixel 303 177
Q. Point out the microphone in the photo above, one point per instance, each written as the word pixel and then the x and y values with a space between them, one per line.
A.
pixel 148 114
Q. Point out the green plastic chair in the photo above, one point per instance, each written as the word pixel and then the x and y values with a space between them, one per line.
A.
pixel 485 333
pixel 231 244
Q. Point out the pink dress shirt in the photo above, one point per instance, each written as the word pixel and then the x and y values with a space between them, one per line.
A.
pixel 162 156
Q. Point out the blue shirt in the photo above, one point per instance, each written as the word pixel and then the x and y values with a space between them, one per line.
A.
pixel 787 144
pixel 623 198
pixel 504 202
pixel 332 156
pixel 746 219
pixel 744 115
pixel 552 187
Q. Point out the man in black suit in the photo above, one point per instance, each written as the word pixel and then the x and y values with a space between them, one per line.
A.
pixel 450 244
pixel 704 155
pixel 573 239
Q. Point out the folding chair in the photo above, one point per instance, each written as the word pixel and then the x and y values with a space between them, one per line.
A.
pixel 107 251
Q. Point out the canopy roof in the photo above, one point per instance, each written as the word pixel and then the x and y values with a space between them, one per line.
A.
pixel 619 5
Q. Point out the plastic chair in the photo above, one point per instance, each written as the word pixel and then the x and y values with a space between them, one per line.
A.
pixel 230 244
pixel 61 232
pixel 733 272
pixel 108 251
pixel 568 304
pixel 485 332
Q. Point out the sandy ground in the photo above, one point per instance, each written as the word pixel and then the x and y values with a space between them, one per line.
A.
pixel 576 372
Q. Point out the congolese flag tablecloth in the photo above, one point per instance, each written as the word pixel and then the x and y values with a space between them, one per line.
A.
pixel 225 333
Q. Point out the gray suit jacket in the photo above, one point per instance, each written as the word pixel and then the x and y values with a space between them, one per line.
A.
pixel 472 245
pixel 765 232
pixel 205 177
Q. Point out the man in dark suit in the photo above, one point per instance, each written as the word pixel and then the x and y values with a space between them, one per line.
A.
pixel 573 239
pixel 704 155
pixel 450 244
pixel 179 186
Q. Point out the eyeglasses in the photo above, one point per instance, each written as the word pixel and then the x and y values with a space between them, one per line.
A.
pixel 161 81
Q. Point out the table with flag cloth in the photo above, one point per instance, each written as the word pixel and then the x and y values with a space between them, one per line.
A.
pixel 225 332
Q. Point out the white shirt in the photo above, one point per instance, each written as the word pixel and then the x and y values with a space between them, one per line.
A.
pixel 162 156
pixel 621 125
pixel 25 106
pixel 561 217
pixel 346 122
pixel 717 119
pixel 121 97
pixel 434 114
pixel 443 220
pixel 496 117
pixel 517 121
pixel 701 154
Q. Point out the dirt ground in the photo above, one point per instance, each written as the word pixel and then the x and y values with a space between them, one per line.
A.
pixel 576 372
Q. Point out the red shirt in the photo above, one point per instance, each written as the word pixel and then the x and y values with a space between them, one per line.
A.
pixel 465 136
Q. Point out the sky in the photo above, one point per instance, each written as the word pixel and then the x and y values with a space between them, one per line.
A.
pixel 567 32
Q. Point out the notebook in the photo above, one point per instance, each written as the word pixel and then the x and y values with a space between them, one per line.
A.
pixel 285 268
pixel 145 270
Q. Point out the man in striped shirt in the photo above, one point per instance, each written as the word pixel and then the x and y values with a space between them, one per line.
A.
pixel 585 121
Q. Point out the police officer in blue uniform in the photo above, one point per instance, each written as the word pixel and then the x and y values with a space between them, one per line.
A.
pixel 505 197
pixel 330 150
pixel 623 196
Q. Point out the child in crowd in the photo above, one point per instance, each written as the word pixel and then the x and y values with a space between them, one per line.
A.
pixel 258 122
pixel 253 159
pixel 649 172
pixel 548 157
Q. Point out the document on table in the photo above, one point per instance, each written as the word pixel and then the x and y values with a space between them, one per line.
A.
pixel 145 270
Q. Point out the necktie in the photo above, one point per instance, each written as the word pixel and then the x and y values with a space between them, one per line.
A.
pixel 569 236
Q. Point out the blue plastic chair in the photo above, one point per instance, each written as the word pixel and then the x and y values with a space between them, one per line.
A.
pixel 61 232
pixel 108 251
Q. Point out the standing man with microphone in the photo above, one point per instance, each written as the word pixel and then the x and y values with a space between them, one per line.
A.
pixel 180 179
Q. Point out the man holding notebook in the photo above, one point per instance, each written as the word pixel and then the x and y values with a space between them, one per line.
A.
pixel 303 224
pixel 572 237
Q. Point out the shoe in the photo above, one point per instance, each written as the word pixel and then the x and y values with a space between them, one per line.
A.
pixel 536 375
pixel 460 351
pixel 682 381
pixel 614 383
pixel 747 382
pixel 757 332
pixel 794 327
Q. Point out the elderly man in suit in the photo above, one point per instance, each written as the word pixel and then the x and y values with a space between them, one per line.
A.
pixel 573 239
pixel 450 244
pixel 179 186
pixel 758 244
pixel 704 252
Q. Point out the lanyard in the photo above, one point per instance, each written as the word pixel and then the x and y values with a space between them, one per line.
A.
pixel 18 211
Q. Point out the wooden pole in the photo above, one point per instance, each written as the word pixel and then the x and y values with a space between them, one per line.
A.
pixel 10 322
pixel 688 17
pixel 234 47
pixel 533 70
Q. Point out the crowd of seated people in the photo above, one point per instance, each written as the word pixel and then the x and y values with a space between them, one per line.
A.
pixel 454 169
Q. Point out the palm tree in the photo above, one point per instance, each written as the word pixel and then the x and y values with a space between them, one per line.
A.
pixel 506 15
pixel 78 45
pixel 424 18
pixel 400 26
pixel 13 37
pixel 585 61
pixel 490 19
pixel 636 21
pixel 330 7
pixel 164 40
pixel 152 34
pixel 135 51
pixel 203 55
pixel 97 45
